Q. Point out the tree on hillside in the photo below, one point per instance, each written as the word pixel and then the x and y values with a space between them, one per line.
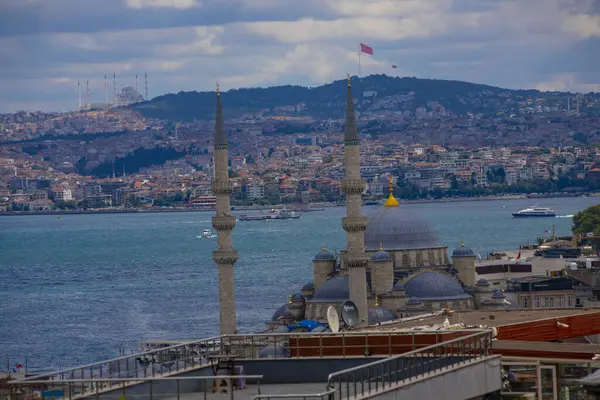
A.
pixel 586 221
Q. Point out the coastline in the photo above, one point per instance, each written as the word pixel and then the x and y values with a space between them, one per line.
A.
pixel 315 206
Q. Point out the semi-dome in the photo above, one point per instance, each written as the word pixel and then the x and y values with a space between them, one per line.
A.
pixel 463 251
pixel 498 295
pixel 399 229
pixel 334 290
pixel 434 286
pixel 380 314
pixel 482 282
pixel 282 311
pixel 324 255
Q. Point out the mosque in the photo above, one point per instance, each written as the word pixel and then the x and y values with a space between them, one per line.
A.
pixel 393 267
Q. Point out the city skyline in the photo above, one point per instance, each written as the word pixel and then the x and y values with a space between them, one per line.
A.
pixel 189 45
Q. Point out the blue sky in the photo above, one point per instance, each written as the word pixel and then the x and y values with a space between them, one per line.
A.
pixel 46 46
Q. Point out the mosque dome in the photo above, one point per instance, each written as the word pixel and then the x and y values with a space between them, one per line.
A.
pixel 282 311
pixel 498 295
pixel 335 290
pixel 308 286
pixel 381 256
pixel 324 255
pixel 380 314
pixel 399 229
pixel 434 286
pixel 482 282
pixel 463 251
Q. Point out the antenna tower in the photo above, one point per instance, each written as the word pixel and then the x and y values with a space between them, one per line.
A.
pixel 89 100
pixel 136 83
pixel 78 95
pixel 146 84
pixel 114 85
pixel 105 90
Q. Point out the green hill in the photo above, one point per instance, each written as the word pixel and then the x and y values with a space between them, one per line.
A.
pixel 325 101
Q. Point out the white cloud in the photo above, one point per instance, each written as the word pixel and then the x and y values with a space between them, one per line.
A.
pixel 584 26
pixel 388 8
pixel 179 4
pixel 567 82
pixel 203 43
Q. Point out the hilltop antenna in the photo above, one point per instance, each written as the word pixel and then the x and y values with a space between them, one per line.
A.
pixel 89 102
pixel 114 86
pixel 78 95
pixel 146 84
pixel 136 82
pixel 105 90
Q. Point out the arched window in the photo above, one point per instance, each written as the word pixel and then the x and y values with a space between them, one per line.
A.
pixel 419 259
pixel 405 260
pixel 431 257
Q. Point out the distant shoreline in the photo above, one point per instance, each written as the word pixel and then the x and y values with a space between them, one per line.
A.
pixel 316 206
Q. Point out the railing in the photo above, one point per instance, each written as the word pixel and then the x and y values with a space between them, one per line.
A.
pixel 325 395
pixel 381 375
pixel 158 388
pixel 191 355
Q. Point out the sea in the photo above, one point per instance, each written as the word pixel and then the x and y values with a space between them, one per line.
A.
pixel 80 288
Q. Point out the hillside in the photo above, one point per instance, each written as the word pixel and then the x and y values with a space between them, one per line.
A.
pixel 327 101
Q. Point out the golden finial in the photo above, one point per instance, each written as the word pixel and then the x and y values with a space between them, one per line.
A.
pixel 290 299
pixel 348 75
pixel 462 243
pixel 218 90
pixel 376 301
pixel 381 245
pixel 391 201
pixel 324 247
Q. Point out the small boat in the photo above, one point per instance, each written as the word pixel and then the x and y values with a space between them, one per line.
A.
pixel 207 234
pixel 535 212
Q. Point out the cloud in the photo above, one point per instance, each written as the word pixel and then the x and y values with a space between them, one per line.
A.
pixel 179 4
pixel 46 47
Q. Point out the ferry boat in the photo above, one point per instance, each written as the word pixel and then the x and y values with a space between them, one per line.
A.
pixel 272 214
pixel 535 212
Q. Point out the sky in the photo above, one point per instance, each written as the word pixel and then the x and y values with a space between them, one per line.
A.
pixel 47 46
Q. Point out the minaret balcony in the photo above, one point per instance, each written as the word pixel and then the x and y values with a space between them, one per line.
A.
pixel 223 222
pixel 222 188
pixel 353 186
pixel 357 261
pixel 225 257
pixel 355 224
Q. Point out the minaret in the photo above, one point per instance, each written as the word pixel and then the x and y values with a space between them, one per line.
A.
pixel 223 222
pixel 354 223
pixel 78 95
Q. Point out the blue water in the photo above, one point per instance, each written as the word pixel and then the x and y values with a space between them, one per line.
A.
pixel 74 289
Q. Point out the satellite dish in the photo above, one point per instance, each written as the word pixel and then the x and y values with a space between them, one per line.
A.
pixel 333 319
pixel 350 313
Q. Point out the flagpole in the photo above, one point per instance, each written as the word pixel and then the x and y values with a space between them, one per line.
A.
pixel 359 49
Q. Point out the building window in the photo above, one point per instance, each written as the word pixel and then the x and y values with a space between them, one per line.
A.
pixel 561 302
pixel 570 301
pixel 419 258
pixel 551 299
pixel 431 257
pixel 405 260
pixel 526 302
pixel 546 302
pixel 537 302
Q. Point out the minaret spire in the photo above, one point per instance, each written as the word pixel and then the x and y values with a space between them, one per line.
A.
pixel 225 257
pixel 354 223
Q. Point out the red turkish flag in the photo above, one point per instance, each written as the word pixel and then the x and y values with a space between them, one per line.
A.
pixel 366 49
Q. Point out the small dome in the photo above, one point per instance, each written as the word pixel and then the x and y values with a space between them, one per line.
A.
pixel 324 255
pixel 482 282
pixel 297 297
pixel 463 251
pixel 273 352
pixel 281 312
pixel 308 287
pixel 432 286
pixel 380 314
pixel 413 301
pixel 399 229
pixel 398 286
pixel 334 290
pixel 381 256
pixel 498 295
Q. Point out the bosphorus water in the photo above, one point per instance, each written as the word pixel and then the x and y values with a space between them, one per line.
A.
pixel 75 289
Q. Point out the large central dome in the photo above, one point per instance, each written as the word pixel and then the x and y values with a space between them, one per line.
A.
pixel 397 228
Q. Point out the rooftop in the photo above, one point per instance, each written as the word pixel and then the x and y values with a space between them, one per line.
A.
pixel 482 317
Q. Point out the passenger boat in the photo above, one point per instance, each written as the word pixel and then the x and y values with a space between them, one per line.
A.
pixel 535 212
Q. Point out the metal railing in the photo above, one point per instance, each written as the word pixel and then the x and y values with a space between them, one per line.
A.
pixel 325 395
pixel 183 357
pixel 157 388
pixel 381 375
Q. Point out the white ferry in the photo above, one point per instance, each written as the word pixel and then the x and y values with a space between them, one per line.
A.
pixel 535 212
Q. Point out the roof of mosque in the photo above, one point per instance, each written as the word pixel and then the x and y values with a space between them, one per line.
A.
pixel 381 256
pixel 434 286
pixel 324 255
pixel 463 251
pixel 334 290
pixel 281 312
pixel 380 314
